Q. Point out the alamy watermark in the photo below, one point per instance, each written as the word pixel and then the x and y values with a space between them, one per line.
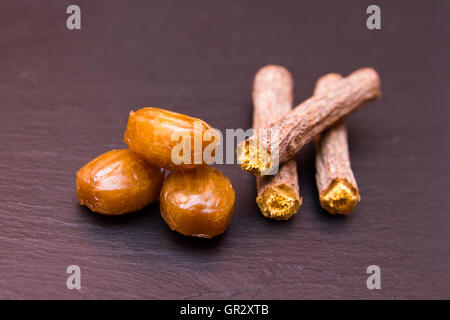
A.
pixel 207 146
pixel 374 20
pixel 73 22
pixel 74 280
pixel 374 280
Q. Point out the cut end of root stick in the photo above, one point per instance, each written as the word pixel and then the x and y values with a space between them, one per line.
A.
pixel 340 198
pixel 251 158
pixel 279 202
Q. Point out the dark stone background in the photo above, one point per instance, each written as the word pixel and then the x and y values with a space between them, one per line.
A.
pixel 65 97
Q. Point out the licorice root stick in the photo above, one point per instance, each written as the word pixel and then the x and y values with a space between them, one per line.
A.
pixel 338 191
pixel 278 195
pixel 298 126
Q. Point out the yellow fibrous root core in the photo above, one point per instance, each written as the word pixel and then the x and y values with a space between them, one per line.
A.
pixel 340 198
pixel 279 202
pixel 252 159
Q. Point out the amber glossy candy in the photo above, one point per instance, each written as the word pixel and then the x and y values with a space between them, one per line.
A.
pixel 158 135
pixel 118 182
pixel 197 202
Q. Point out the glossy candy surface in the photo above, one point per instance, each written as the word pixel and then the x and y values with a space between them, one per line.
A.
pixel 154 133
pixel 118 182
pixel 197 202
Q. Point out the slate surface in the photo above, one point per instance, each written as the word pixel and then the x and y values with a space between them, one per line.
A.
pixel 65 97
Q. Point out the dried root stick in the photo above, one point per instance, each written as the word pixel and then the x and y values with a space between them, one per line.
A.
pixel 278 195
pixel 338 191
pixel 298 126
